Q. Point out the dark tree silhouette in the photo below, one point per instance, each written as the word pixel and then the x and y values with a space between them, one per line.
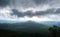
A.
pixel 53 30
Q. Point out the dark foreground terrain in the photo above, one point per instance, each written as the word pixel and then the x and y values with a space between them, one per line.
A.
pixel 53 32
pixel 28 29
pixel 9 33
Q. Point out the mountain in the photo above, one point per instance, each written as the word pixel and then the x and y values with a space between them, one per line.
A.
pixel 24 26
pixel 51 23
pixel 31 23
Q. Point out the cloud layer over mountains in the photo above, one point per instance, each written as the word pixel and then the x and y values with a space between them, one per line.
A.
pixel 33 10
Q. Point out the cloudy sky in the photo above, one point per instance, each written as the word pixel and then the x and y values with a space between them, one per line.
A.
pixel 33 10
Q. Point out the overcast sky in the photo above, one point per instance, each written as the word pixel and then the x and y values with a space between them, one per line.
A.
pixel 33 10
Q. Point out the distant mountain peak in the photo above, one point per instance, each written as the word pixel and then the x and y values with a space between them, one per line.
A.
pixel 32 21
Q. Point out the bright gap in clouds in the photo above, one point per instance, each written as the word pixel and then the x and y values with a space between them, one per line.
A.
pixel 35 18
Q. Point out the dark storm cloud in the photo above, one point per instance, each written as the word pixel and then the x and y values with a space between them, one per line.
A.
pixel 4 3
pixel 38 13
pixel 16 12
pixel 29 13
pixel 41 1
pixel 21 14
pixel 57 11
pixel 49 11
pixel 17 4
